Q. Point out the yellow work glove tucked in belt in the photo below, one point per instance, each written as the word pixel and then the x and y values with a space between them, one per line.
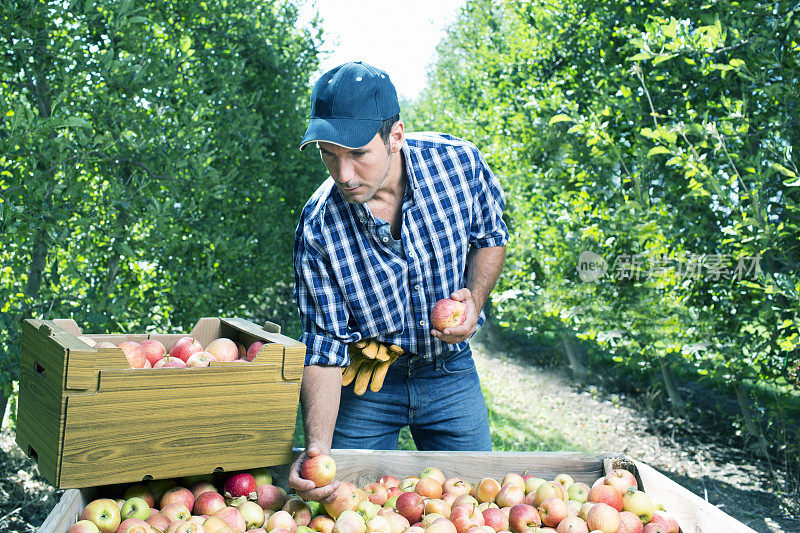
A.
pixel 369 359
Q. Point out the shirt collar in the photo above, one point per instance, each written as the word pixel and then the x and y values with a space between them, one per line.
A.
pixel 412 183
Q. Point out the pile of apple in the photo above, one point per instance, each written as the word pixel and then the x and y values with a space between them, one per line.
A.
pixel 186 352
pixel 428 503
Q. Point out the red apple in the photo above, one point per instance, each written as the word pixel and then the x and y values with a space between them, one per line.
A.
pixel 179 495
pixel 134 353
pixel 428 487
pixel 552 511
pixel 104 513
pixel 457 486
pixel 433 472
pixel 184 348
pixel 389 481
pixel 223 349
pixel 170 362
pixel 495 519
pixel 411 505
pixel 153 350
pixel 322 523
pixel 448 313
pixel 465 517
pixel 606 494
pixel 629 523
pixel 654 528
pixel 176 511
pixel 241 484
pixel 377 493
pixel 621 479
pixel 158 520
pixel 233 517
pixel 134 525
pixel 321 469
pixel 253 350
pixel 523 517
pixel 281 519
pixel 572 524
pixel 269 497
pixel 208 503
pixel 299 510
pixel 347 498
pixel 602 517
pixel 666 520
pixel 510 495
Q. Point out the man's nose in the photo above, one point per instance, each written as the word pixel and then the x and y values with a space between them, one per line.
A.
pixel 344 168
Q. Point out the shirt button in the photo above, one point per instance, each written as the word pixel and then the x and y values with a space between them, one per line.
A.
pixel 421 322
pixel 385 239
pixel 416 287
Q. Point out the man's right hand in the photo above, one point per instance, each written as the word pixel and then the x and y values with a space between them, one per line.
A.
pixel 305 488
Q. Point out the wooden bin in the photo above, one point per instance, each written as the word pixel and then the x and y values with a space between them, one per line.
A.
pixel 88 419
pixel 694 515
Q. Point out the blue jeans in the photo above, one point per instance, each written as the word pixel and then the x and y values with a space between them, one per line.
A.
pixel 440 401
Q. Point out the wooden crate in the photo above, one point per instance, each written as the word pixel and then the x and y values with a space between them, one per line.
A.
pixel 360 467
pixel 88 419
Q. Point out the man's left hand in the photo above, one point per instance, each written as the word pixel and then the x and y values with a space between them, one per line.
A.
pixel 466 329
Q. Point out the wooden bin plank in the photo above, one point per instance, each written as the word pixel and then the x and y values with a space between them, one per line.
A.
pixel 123 435
pixel 239 374
pixel 693 513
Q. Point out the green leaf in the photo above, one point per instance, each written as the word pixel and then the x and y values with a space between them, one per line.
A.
pixel 641 56
pixel 76 122
pixel 657 150
pixel 560 118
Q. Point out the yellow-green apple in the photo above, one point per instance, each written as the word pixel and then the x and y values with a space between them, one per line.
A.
pixel 411 505
pixel 158 520
pixel 638 503
pixel 398 522
pixel 281 519
pixel 214 524
pixel 621 479
pixel 176 511
pixel 83 526
pixel 299 509
pixel 379 524
pixel 441 525
pixel 153 350
pixel 578 492
pixel 134 353
pixel 495 519
pixel 523 517
pixel 233 517
pixel 140 491
pixel 429 487
pixel 602 517
pixel 223 349
pixel 572 524
pixel 433 472
pixel 575 505
pixel 134 525
pixel 448 313
pixel 549 489
pixel 269 497
pixel 514 479
pixel 179 495
pixel 666 520
pixel 394 491
pixel 253 514
pixel 408 483
pixel 316 507
pixel 252 352
pixel 630 523
pixel 169 362
pixel 436 505
pixel 349 522
pixel 465 517
pixel 391 503
pixel 606 494
pixel 487 489
pixel 134 508
pixel 104 513
pixel 199 359
pixel 241 484
pixel 389 481
pixel 347 498
pixel 584 510
pixel 185 347
pixel 429 518
pixel 552 511
pixel 457 486
pixel 321 469
pixel 532 483
pixel 377 493
pixel 510 495
pixel 263 475
pixel 565 480
pixel 322 523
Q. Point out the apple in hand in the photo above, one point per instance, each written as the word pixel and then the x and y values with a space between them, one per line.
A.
pixel 448 313
pixel 104 513
pixel 321 469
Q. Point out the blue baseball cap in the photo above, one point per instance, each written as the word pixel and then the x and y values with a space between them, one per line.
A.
pixel 348 105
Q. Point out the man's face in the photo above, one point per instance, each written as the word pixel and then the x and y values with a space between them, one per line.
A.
pixel 358 173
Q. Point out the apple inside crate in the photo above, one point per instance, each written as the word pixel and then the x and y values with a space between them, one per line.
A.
pixel 362 467
pixel 89 419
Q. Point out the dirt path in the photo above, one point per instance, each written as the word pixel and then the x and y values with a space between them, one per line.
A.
pixel 585 417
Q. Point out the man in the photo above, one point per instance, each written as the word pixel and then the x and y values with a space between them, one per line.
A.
pixel 402 222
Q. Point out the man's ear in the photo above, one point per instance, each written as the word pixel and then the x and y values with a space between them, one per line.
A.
pixel 397 136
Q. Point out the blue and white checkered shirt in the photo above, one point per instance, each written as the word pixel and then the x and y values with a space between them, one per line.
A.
pixel 352 282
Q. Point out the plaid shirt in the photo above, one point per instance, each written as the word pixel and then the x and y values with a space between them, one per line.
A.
pixel 351 285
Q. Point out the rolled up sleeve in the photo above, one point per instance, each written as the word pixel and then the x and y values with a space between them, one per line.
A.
pixel 488 227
